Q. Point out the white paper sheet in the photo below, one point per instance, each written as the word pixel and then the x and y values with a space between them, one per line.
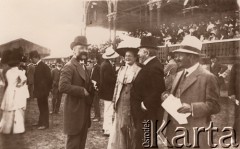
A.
pixel 171 105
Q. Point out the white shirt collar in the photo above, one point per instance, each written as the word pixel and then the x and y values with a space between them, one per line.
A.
pixel 191 69
pixel 148 60
pixel 81 62
pixel 38 62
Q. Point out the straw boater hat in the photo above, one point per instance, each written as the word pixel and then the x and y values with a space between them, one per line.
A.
pixel 130 44
pixel 79 40
pixel 190 44
pixel 110 53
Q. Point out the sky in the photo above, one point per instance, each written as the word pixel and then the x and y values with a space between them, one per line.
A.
pixel 50 23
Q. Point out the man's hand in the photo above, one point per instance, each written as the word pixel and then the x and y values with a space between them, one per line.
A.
pixel 86 92
pixel 143 106
pixel 186 108
pixel 164 96
pixel 233 99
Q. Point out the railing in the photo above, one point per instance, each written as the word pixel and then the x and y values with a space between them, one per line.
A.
pixel 227 50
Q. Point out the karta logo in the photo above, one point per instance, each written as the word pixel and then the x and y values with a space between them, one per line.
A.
pixel 152 136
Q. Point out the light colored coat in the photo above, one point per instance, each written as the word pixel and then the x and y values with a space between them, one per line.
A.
pixel 120 79
pixel 15 97
pixel 201 91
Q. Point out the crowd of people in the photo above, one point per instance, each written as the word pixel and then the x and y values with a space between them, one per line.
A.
pixel 206 29
pixel 132 93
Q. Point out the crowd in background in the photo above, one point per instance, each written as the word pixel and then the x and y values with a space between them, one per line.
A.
pixel 204 28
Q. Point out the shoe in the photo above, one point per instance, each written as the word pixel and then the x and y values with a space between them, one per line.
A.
pixel 106 135
pixel 95 120
pixel 42 128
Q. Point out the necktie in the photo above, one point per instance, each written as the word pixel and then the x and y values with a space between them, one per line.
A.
pixel 185 74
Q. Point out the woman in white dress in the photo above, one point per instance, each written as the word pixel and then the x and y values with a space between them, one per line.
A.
pixel 14 98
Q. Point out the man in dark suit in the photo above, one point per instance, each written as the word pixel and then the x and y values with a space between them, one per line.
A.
pixel 147 88
pixel 107 84
pixel 234 95
pixel 30 79
pixel 57 96
pixel 95 78
pixel 42 87
pixel 75 82
pixel 218 69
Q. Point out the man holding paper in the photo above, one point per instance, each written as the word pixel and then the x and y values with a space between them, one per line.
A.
pixel 197 90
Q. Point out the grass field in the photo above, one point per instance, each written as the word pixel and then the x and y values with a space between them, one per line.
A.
pixel 53 138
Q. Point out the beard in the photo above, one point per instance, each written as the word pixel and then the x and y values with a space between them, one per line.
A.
pixel 82 56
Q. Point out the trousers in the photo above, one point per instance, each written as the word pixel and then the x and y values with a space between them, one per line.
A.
pixel 107 116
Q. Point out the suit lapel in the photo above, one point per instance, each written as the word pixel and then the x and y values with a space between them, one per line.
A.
pixel 176 81
pixel 191 79
pixel 79 68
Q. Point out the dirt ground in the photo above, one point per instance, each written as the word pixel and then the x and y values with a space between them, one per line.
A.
pixel 53 138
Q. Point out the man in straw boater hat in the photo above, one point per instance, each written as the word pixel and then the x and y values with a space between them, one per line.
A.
pixel 198 91
pixel 147 89
pixel 106 89
pixel 75 82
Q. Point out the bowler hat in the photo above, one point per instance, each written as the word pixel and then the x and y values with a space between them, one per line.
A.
pixel 148 42
pixel 79 40
pixel 190 44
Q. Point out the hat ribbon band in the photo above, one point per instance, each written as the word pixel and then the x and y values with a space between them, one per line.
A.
pixel 110 54
pixel 190 49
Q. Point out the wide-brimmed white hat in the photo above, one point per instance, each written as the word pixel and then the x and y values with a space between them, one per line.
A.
pixel 190 44
pixel 110 53
pixel 129 44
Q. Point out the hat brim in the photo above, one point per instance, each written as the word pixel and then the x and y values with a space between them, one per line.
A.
pixel 186 51
pixel 73 44
pixel 115 55
pixel 122 51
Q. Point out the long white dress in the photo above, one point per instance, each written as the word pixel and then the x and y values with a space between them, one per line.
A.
pixel 14 102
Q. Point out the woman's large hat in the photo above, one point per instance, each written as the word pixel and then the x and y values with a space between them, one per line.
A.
pixel 79 40
pixel 110 53
pixel 129 44
pixel 190 44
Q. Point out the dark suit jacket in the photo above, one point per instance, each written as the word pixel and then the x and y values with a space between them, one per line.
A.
pixel 148 87
pixel 95 74
pixel 73 80
pixel 55 77
pixel 218 68
pixel 234 82
pixel 107 80
pixel 30 74
pixel 42 80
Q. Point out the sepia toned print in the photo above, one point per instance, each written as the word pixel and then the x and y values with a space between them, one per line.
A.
pixel 119 74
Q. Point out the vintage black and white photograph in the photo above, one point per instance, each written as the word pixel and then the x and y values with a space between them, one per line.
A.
pixel 119 74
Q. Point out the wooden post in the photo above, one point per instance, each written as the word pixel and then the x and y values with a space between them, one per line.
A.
pixel 109 19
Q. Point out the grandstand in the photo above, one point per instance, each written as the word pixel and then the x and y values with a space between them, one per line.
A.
pixel 215 22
